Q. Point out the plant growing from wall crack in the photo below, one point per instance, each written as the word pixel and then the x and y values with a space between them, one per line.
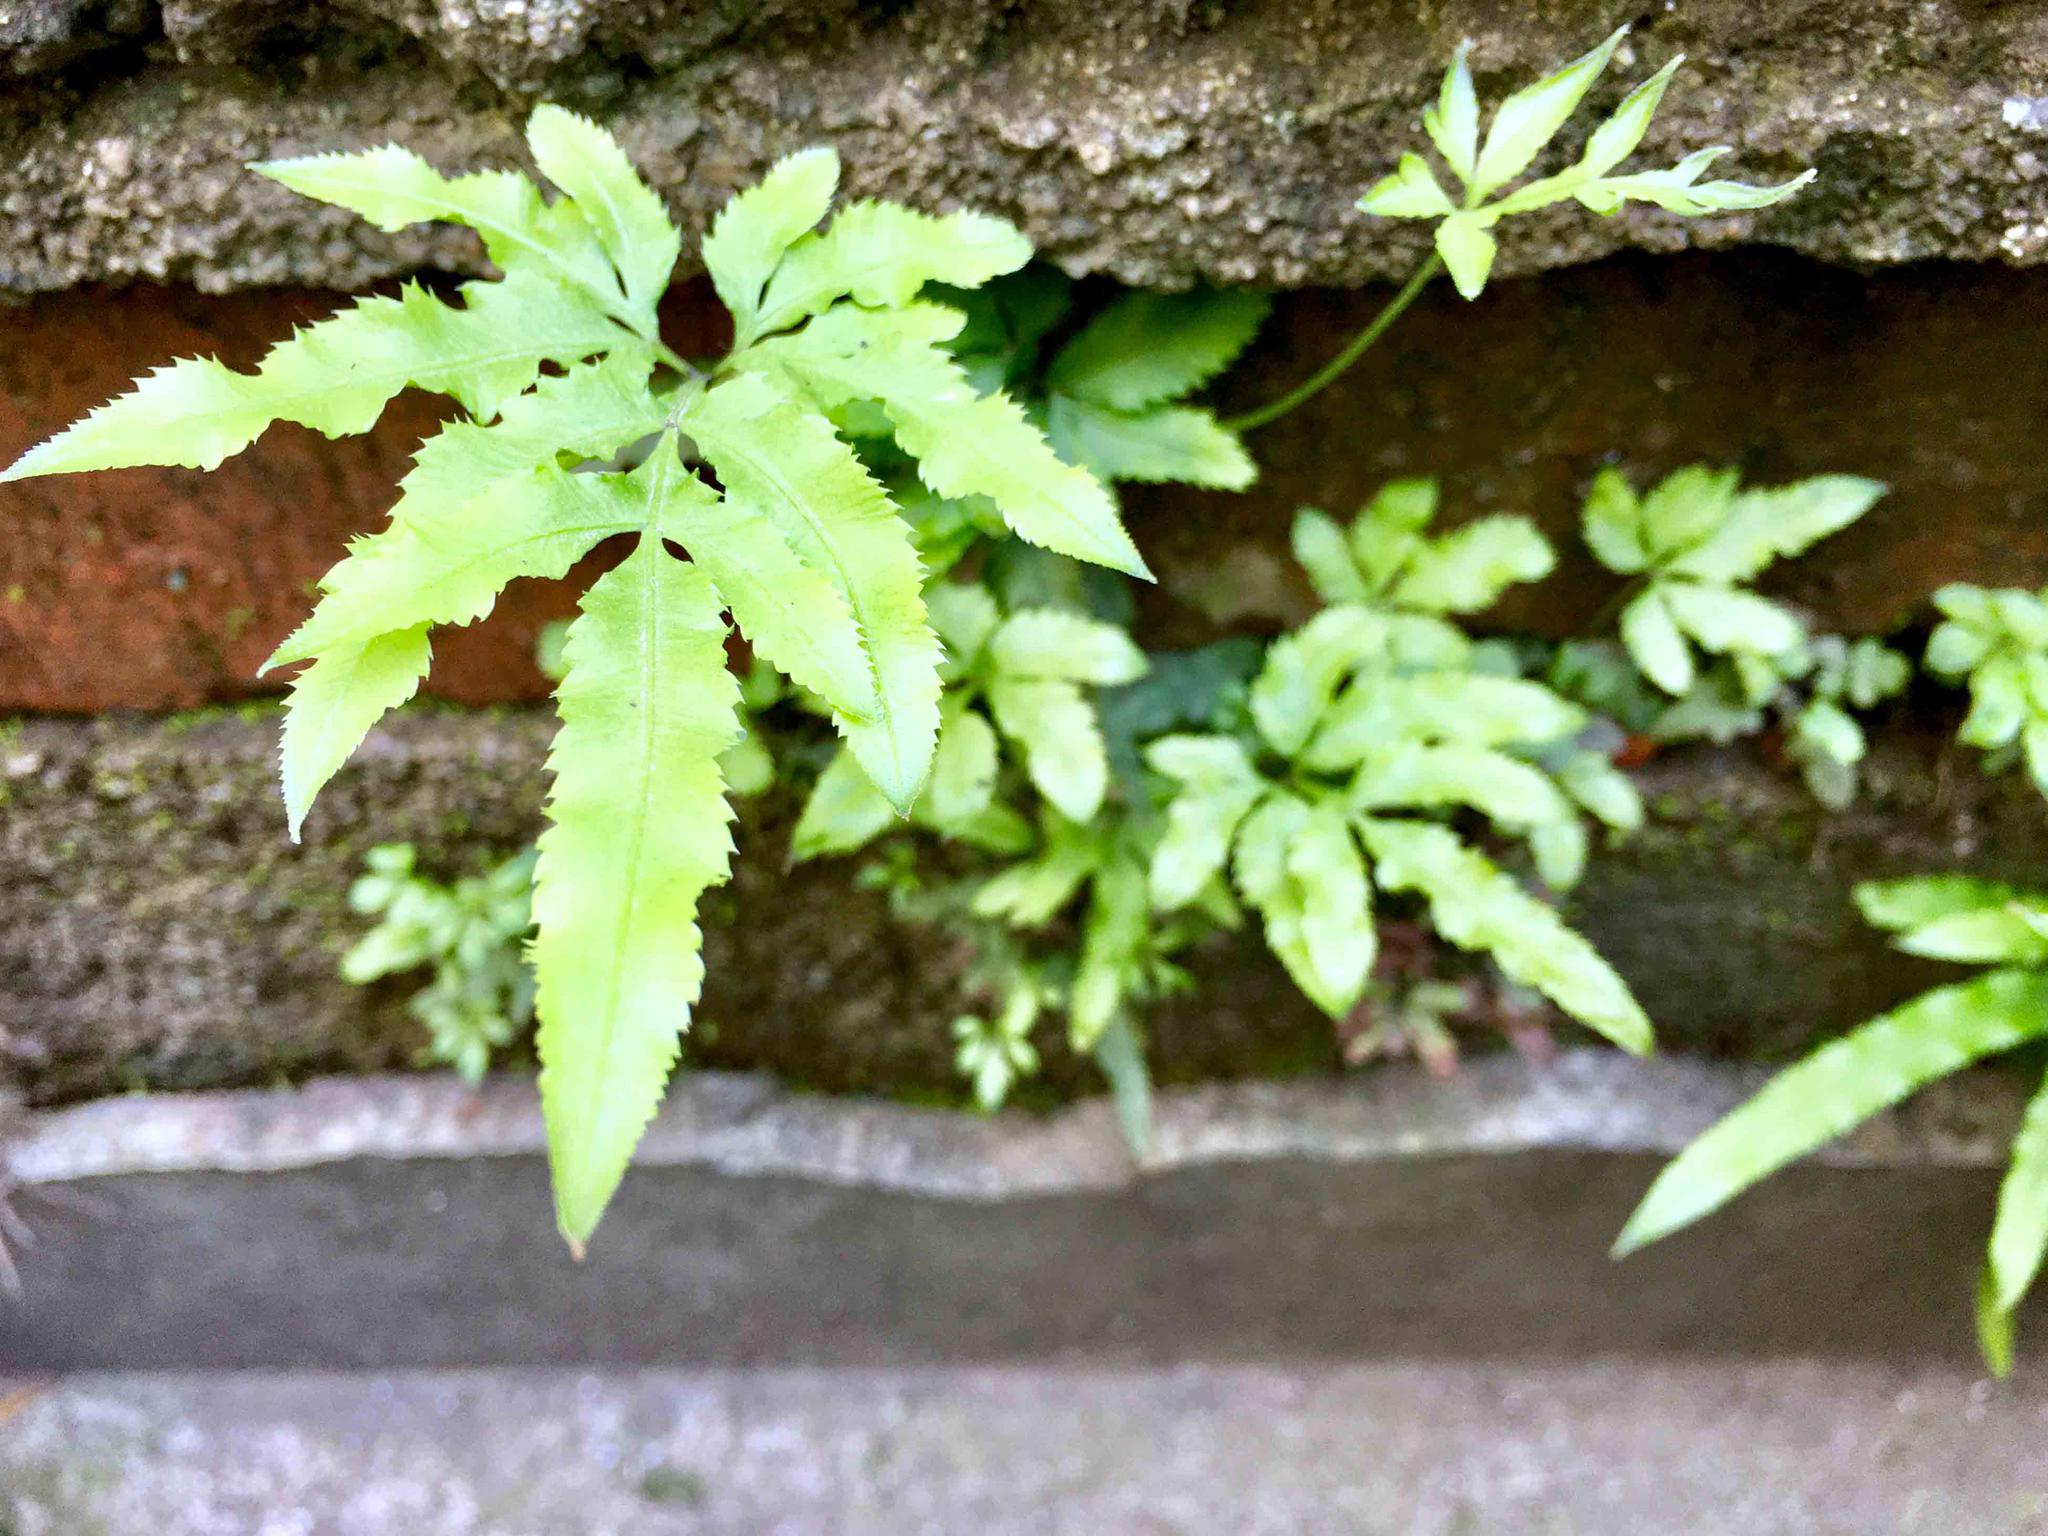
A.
pixel 1486 169
pixel 560 367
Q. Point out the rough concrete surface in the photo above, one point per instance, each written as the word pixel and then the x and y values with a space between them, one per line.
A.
pixel 1596 1448
pixel 158 928
pixel 403 1223
pixel 1163 141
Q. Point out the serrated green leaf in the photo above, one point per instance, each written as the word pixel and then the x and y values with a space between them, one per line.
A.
pixel 1988 936
pixel 1616 139
pixel 1604 790
pixel 1468 248
pixel 1953 649
pixel 1122 1059
pixel 1839 1086
pixel 882 254
pixel 1411 776
pixel 1321 549
pixel 965 444
pixel 526 236
pixel 965 616
pixel 1559 849
pixel 1263 875
pixel 622 210
pixel 1219 787
pixel 1825 731
pixel 1409 191
pixel 756 226
pixel 1728 619
pixel 1062 740
pixel 336 376
pixel 784 461
pixel 1168 443
pixel 1901 905
pixel 1688 506
pixel 447 566
pixel 1338 939
pixel 1449 706
pixel 1998 703
pixel 1148 348
pixel 1530 118
pixel 1032 893
pixel 963 768
pixel 1304 669
pixel 1453 122
pixel 638 831
pixel 1655 643
pixel 333 704
pixel 1762 525
pixel 1052 645
pixel 1679 190
pixel 1466 571
pixel 1112 940
pixel 845 812
pixel 1613 524
pixel 793 616
pixel 1476 906
pixel 2019 1237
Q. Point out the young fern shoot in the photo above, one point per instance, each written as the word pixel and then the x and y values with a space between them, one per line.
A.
pixel 561 370
pixel 1484 169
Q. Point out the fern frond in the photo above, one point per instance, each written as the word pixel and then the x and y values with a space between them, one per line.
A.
pixel 627 217
pixel 639 830
pixel 589 411
pixel 784 462
pixel 881 254
pixel 844 812
pixel 756 226
pixel 965 444
pixel 1438 706
pixel 1147 348
pixel 1064 753
pixel 1112 939
pixel 1477 906
pixel 334 702
pixel 1165 443
pixel 1415 776
pixel 522 232
pixel 451 565
pixel 336 376
pixel 963 768
pixel 1838 1087
pixel 2019 1236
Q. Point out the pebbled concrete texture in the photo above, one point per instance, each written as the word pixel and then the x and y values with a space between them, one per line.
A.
pixel 1161 141
pixel 1595 1448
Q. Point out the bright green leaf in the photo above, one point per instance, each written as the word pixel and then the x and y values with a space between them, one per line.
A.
pixel 638 831
pixel 1838 1087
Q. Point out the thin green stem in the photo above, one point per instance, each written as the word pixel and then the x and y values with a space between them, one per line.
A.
pixel 1321 379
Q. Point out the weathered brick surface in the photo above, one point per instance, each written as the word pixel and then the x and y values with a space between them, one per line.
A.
pixel 158 589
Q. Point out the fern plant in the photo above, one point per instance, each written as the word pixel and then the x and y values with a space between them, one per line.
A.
pixel 1367 726
pixel 1111 399
pixel 471 933
pixel 1723 658
pixel 561 372
pixel 1997 643
pixel 1523 126
pixel 1014 680
pixel 1942 917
